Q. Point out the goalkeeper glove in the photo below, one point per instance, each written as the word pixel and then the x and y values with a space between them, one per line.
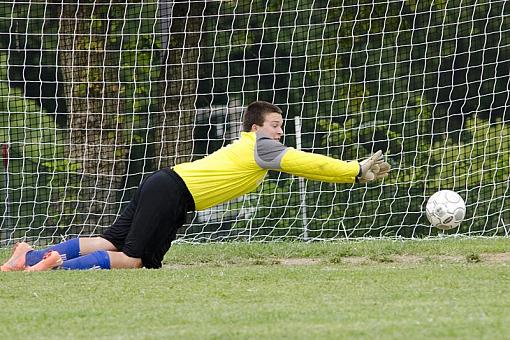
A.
pixel 373 168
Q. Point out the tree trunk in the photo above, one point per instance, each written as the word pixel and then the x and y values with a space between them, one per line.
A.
pixel 97 147
pixel 181 23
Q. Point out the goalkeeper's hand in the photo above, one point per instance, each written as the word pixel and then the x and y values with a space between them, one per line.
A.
pixel 373 168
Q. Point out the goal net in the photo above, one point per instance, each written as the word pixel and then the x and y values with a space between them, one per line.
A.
pixel 96 95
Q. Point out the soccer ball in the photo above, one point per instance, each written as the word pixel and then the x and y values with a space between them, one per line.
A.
pixel 445 209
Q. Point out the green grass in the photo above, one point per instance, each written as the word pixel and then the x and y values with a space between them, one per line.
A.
pixel 450 288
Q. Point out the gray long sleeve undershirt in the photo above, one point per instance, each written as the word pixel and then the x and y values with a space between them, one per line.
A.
pixel 268 152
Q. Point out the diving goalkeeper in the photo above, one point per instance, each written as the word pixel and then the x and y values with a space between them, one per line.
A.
pixel 144 231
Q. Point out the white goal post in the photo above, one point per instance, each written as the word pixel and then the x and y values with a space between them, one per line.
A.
pixel 96 95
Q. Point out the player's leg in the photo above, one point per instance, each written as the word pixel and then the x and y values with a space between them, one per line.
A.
pixel 96 253
pixel 135 227
pixel 96 260
pixel 158 210
pixel 102 259
pixel 161 211
pixel 71 249
pixel 91 244
pixel 25 256
pixel 93 251
pixel 50 260
pixel 143 233
pixel 18 258
pixel 119 260
pixel 104 252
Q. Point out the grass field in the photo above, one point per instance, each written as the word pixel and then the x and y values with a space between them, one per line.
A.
pixel 441 289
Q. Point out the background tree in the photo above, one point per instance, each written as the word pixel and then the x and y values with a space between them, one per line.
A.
pixel 181 29
pixel 90 59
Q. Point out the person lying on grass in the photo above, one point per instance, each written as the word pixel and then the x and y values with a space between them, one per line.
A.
pixel 144 231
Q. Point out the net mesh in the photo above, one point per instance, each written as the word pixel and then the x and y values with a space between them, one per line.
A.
pixel 96 95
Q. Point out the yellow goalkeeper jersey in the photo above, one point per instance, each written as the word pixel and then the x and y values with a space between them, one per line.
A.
pixel 240 167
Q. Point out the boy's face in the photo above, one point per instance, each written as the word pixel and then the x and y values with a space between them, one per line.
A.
pixel 272 126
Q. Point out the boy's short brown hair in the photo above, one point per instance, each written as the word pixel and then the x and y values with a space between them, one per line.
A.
pixel 255 113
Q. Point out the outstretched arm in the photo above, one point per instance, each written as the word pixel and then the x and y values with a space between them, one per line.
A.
pixel 271 154
pixel 319 167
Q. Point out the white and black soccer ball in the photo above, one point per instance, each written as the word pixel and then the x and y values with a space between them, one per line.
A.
pixel 445 209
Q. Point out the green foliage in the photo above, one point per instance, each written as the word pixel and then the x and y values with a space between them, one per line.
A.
pixel 483 158
pixel 363 71
pixel 37 136
pixel 475 164
pixel 356 71
pixel 274 212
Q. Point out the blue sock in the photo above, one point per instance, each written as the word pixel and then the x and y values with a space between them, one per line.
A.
pixel 68 250
pixel 96 260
